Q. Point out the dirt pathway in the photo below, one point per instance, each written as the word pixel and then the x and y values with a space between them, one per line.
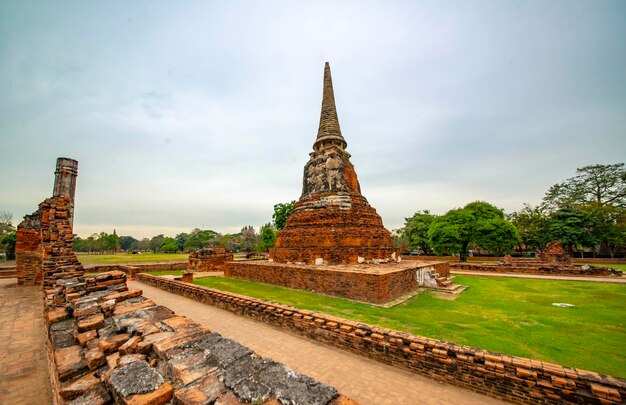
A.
pixel 23 362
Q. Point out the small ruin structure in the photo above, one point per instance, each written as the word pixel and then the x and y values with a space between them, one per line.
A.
pixel 208 259
pixel 552 261
pixel 334 242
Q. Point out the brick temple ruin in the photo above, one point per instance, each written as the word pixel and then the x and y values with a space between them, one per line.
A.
pixel 44 248
pixel 334 242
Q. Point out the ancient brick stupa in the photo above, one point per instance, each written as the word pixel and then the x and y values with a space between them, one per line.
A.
pixel 332 222
pixel 334 242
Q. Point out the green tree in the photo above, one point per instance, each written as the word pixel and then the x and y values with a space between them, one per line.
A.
pixel 267 238
pixel 169 246
pixel 156 242
pixel 8 243
pixel 573 228
pixel 199 239
pixel 532 226
pixel 181 240
pixel 600 184
pixel 416 231
pixel 128 243
pixel 478 224
pixel 281 213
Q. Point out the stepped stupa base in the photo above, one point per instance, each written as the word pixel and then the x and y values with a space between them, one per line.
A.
pixel 374 283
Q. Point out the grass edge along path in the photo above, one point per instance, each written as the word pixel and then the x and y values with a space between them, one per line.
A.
pixel 510 316
pixel 125 258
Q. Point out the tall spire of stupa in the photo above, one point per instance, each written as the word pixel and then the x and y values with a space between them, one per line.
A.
pixel 329 132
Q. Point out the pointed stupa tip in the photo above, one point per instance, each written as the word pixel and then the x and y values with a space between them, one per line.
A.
pixel 329 131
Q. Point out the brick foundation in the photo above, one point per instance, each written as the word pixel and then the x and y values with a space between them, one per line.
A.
pixel 510 378
pixel 379 284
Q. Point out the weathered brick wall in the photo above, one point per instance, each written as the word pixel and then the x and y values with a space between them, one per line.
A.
pixel 29 251
pixel 110 344
pixel 43 249
pixel 539 269
pixel 379 286
pixel 511 378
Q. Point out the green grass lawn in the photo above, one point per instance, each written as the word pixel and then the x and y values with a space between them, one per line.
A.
pixel 130 258
pixel 165 273
pixel 512 316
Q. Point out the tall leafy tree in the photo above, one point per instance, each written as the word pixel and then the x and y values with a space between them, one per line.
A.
pixel 594 201
pixel 281 213
pixel 416 231
pixel 532 226
pixel 600 184
pixel 128 243
pixel 181 240
pixel 267 237
pixel 156 242
pixel 573 228
pixel 169 245
pixel 478 224
pixel 199 239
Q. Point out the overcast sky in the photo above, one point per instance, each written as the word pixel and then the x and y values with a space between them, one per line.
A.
pixel 202 114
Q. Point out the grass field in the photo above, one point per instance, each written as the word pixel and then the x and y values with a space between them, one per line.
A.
pixel 512 316
pixel 129 258
pixel 166 273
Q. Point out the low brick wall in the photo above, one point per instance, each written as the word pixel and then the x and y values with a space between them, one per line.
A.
pixel 541 269
pixel 510 378
pixel 379 284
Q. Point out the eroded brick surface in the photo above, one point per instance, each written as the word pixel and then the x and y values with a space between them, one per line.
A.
pixel 143 353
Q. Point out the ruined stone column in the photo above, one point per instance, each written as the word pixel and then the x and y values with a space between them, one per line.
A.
pixel 65 177
pixel 65 181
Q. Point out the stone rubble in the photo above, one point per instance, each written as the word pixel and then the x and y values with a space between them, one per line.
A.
pixel 110 344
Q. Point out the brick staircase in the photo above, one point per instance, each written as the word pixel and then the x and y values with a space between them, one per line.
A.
pixel 8 272
pixel 446 285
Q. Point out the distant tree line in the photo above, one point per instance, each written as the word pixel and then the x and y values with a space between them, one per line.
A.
pixel 585 212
